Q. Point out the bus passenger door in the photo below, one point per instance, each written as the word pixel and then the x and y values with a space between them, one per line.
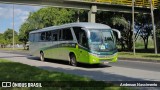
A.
pixel 83 47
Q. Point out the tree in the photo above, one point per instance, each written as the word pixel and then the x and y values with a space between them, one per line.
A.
pixel 50 16
pixel 144 28
pixel 118 21
pixel 2 41
pixel 122 24
pixel 157 22
pixel 24 32
pixel 82 15
pixel 8 36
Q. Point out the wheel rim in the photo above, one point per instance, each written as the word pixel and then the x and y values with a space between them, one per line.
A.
pixel 41 57
pixel 73 61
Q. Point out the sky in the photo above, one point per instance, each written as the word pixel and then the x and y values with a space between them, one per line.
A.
pixel 21 13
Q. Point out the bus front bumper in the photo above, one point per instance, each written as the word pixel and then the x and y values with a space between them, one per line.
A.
pixel 96 59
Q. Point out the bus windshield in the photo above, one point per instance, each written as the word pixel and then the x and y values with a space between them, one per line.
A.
pixel 101 40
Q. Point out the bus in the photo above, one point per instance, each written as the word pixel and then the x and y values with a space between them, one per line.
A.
pixel 82 42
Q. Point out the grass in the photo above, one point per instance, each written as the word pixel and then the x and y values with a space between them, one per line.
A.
pixel 12 71
pixel 147 56
pixel 141 53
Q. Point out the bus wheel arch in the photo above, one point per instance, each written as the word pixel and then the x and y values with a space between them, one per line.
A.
pixel 72 59
pixel 41 55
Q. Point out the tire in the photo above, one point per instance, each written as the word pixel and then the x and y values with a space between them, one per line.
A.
pixel 41 56
pixel 73 60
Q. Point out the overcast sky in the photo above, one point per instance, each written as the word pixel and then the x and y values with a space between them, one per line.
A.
pixel 21 13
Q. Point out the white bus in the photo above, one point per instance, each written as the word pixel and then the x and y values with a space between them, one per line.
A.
pixel 83 42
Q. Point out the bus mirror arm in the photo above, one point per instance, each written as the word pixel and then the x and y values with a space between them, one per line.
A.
pixel 118 33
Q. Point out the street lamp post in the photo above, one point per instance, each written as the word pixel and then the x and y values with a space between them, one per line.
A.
pixel 154 31
pixel 133 37
pixel 13 26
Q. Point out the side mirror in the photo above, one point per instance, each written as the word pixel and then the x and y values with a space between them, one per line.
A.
pixel 118 33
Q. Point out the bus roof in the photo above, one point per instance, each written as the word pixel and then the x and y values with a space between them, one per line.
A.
pixel 79 24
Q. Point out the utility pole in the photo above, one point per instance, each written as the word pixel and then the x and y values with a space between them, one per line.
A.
pixel 133 36
pixel 154 28
pixel 13 26
pixel 78 16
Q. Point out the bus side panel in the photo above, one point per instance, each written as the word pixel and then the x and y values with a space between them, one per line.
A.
pixel 51 53
pixel 63 50
pixel 34 48
pixel 83 56
pixel 66 47
pixel 64 53
pixel 50 50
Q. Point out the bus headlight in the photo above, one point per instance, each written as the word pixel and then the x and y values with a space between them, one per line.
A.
pixel 94 60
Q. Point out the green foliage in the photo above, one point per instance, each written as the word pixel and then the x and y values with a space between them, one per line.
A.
pixel 24 32
pixel 7 37
pixel 120 21
pixel 8 34
pixel 142 19
pixel 158 33
pixel 139 44
pixel 143 27
pixel 50 16
pixel 2 40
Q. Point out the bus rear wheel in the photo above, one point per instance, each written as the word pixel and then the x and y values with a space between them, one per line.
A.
pixel 41 56
pixel 73 60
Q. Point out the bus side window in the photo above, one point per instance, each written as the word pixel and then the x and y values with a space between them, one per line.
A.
pixel 43 36
pixel 81 36
pixel 36 37
pixel 60 35
pixel 31 37
pixel 67 35
pixel 54 38
pixel 48 36
pixel 55 35
pixel 83 39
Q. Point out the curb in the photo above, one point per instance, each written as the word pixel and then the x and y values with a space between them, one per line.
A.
pixel 15 52
pixel 138 59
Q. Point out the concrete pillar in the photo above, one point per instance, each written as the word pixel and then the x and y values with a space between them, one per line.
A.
pixel 92 14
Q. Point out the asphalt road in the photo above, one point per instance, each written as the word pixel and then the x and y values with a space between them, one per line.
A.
pixel 123 70
pixel 141 65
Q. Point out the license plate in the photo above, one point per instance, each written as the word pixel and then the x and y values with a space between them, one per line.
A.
pixel 104 61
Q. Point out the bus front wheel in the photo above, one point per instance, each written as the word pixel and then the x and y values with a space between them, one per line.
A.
pixel 41 56
pixel 73 61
